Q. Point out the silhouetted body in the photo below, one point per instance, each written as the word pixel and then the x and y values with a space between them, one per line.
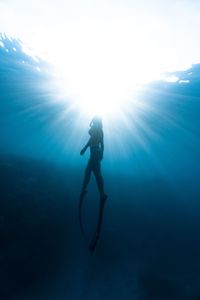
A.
pixel 96 145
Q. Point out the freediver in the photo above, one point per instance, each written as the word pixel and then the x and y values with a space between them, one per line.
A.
pixel 96 144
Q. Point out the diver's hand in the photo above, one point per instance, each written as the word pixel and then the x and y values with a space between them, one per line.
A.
pixel 82 151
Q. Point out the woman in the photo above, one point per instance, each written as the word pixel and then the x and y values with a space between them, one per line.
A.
pixel 96 145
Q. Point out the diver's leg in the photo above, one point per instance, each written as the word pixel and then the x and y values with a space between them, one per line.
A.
pixel 87 176
pixel 99 178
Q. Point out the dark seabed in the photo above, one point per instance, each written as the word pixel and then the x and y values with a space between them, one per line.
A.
pixel 150 241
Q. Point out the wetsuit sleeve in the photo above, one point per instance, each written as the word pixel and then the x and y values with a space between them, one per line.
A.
pixel 85 147
pixel 102 145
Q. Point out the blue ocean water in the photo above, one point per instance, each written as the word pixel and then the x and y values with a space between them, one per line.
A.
pixel 150 240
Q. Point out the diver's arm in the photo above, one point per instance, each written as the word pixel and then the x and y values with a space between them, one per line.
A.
pixel 102 147
pixel 85 148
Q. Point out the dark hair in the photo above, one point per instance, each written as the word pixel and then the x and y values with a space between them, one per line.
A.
pixel 96 121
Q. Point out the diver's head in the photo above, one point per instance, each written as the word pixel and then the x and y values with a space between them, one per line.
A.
pixel 96 122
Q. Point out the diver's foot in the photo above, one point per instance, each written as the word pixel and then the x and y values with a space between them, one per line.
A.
pixel 104 198
pixel 83 193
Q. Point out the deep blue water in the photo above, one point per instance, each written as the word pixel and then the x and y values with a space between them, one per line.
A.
pixel 150 241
